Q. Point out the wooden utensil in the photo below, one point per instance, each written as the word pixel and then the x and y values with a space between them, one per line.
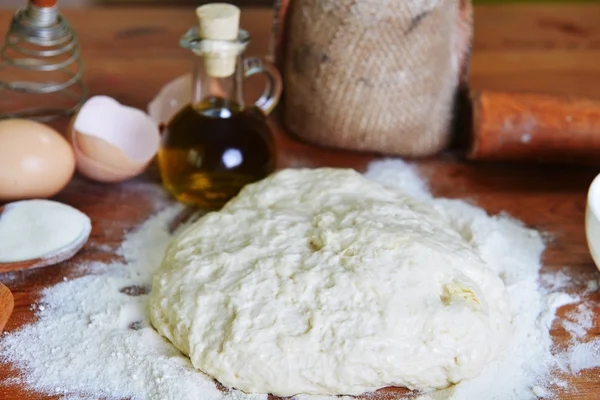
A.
pixel 44 261
pixel 532 127
pixel 7 303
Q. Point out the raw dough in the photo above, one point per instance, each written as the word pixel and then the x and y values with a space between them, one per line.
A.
pixel 323 282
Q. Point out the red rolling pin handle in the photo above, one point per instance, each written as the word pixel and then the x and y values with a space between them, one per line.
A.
pixel 534 127
pixel 44 3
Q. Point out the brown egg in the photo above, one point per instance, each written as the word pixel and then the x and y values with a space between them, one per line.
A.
pixel 35 160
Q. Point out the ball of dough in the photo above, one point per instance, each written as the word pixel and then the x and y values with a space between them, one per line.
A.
pixel 323 282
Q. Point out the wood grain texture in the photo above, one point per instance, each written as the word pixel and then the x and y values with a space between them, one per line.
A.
pixel 131 53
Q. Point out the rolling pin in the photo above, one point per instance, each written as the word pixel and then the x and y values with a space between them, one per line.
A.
pixel 531 127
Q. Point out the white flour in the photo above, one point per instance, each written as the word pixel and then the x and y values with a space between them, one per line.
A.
pixel 31 229
pixel 580 354
pixel 92 337
pixel 579 321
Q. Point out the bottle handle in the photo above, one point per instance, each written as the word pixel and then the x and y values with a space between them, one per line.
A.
pixel 270 96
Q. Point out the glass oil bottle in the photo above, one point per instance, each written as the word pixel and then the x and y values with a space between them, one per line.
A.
pixel 217 144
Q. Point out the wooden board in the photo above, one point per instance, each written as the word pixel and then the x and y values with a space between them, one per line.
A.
pixel 552 48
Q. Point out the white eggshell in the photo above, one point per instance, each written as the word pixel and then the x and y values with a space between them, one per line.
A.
pixel 170 99
pixel 112 142
pixel 126 128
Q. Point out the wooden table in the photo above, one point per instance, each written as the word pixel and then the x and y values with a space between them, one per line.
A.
pixel 130 53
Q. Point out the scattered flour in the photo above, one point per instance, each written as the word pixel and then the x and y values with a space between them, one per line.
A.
pixel 580 356
pixel 579 321
pixel 556 281
pixel 92 338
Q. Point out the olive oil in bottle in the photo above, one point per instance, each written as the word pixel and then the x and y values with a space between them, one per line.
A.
pixel 217 144
pixel 211 150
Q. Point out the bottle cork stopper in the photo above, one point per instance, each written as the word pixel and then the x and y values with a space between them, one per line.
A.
pixel 219 21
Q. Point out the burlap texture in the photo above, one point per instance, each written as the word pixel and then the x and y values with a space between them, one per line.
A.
pixel 372 75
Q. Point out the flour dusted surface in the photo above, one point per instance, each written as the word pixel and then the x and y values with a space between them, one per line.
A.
pixel 63 353
pixel 320 281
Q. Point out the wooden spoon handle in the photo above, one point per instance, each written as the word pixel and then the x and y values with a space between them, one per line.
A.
pixel 7 303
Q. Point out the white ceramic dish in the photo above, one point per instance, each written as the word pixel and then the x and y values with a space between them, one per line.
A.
pixel 592 220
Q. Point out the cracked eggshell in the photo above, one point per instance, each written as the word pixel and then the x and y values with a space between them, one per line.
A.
pixel 112 142
pixel 170 99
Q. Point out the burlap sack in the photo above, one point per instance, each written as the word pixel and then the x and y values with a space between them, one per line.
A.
pixel 372 75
